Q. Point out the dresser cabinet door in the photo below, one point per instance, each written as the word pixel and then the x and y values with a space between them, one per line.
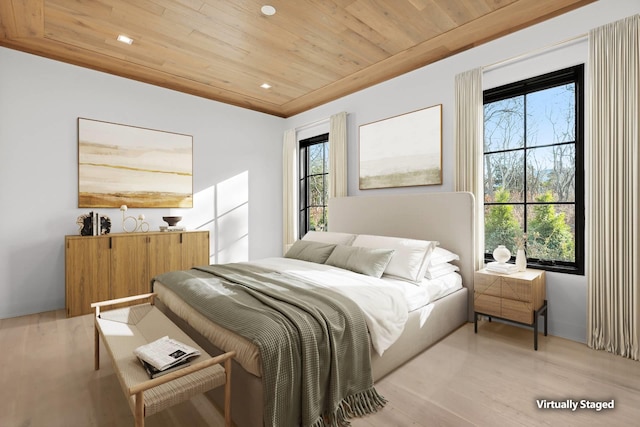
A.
pixel 129 265
pixel 195 249
pixel 86 273
pixel 165 253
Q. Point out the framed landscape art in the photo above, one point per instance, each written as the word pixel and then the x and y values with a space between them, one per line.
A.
pixel 402 151
pixel 127 165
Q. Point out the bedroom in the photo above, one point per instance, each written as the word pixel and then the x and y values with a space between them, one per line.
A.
pixel 41 100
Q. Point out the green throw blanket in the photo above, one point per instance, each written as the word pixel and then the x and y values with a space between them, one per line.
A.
pixel 313 342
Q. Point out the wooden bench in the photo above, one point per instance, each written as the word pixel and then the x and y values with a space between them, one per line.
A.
pixel 124 329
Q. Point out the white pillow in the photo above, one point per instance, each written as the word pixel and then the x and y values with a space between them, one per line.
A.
pixel 330 237
pixel 435 271
pixel 410 259
pixel 441 255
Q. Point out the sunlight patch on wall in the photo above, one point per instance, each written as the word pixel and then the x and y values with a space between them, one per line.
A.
pixel 233 236
pixel 202 213
pixel 223 209
pixel 201 216
pixel 232 193
pixel 232 204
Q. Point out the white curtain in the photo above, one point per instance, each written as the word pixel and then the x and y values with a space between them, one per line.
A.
pixel 468 129
pixel 338 155
pixel 289 189
pixel 613 163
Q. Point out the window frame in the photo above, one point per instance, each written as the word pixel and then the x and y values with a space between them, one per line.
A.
pixel 304 174
pixel 574 74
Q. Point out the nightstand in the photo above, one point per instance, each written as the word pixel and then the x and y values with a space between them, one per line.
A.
pixel 518 297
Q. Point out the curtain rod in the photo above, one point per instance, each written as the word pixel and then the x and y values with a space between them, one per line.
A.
pixel 563 43
pixel 308 125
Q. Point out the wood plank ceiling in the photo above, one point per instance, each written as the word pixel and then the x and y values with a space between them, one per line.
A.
pixel 310 51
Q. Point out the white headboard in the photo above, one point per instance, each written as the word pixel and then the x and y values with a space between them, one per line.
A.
pixel 445 217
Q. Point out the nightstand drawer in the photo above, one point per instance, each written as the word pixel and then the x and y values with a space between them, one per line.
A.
pixel 487 304
pixel 520 290
pixel 487 284
pixel 518 311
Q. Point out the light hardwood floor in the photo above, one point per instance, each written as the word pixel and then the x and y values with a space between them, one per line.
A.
pixel 490 379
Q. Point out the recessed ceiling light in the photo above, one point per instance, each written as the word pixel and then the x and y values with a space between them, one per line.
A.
pixel 265 86
pixel 268 10
pixel 124 39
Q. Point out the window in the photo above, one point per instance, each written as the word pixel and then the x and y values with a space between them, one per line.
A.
pixel 533 169
pixel 314 172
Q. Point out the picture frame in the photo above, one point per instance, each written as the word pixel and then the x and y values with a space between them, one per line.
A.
pixel 134 166
pixel 402 151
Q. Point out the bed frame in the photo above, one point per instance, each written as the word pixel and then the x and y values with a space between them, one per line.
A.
pixel 445 217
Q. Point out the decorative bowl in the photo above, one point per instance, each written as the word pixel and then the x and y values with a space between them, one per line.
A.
pixel 172 220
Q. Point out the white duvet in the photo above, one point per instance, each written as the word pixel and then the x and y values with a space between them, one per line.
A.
pixel 383 303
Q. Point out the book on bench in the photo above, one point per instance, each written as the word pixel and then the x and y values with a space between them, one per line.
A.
pixel 164 355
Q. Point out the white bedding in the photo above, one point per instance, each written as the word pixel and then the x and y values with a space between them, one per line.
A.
pixel 385 302
pixel 442 286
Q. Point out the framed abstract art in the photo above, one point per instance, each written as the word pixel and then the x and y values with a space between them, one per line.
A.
pixel 402 151
pixel 127 165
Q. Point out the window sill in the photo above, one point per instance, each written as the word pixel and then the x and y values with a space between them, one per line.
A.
pixel 555 268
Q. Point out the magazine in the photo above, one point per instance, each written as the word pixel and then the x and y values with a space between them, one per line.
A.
pixel 154 373
pixel 165 353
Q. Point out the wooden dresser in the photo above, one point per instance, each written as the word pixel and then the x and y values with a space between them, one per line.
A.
pixel 112 266
pixel 518 297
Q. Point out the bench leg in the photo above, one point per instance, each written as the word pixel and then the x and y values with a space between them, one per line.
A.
pixel 139 414
pixel 227 393
pixel 96 349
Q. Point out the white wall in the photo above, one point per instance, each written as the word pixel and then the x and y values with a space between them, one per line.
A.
pixel 434 84
pixel 236 170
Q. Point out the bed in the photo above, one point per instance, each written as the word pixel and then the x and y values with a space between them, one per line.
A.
pixel 443 217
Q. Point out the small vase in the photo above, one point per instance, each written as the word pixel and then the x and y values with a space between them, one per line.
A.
pixel 501 254
pixel 521 260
